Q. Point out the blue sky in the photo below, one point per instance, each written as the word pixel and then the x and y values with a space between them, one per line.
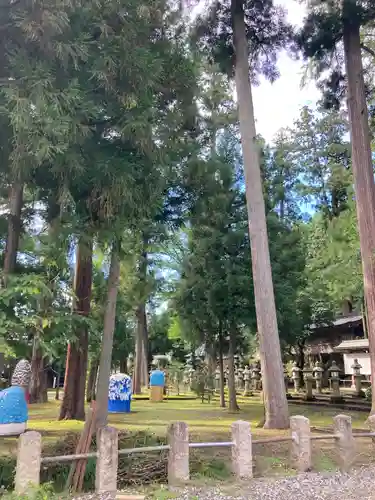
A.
pixel 277 105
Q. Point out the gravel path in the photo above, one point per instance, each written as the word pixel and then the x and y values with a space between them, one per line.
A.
pixel 358 485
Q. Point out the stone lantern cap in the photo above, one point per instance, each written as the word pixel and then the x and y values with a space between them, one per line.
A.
pixel 307 372
pixel 318 368
pixel 334 370
pixel 295 369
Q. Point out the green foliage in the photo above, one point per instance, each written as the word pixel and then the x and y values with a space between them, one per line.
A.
pixel 44 492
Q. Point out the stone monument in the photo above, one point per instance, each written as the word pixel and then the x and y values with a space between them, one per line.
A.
pixel 296 377
pixel 318 376
pixel 13 403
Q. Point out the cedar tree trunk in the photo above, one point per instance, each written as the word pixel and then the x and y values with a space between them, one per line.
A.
pixel 276 407
pixel 38 382
pixel 233 406
pixel 14 228
pixel 91 383
pixel 73 403
pixel 107 341
pixel 363 174
pixel 221 368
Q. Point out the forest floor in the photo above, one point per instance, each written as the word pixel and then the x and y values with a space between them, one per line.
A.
pixel 209 422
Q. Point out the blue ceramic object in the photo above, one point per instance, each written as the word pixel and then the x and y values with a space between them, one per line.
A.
pixel 157 378
pixel 120 393
pixel 118 406
pixel 13 406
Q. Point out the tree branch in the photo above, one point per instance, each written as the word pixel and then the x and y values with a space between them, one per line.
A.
pixel 368 50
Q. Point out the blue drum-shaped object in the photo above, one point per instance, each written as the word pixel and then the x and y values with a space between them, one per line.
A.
pixel 120 393
pixel 157 378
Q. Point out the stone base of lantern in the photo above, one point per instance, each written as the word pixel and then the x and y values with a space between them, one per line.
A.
pixel 247 393
pixel 308 397
pixel 336 399
pixel 156 394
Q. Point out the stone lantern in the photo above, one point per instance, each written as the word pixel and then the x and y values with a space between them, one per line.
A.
pixel 191 375
pixel 186 378
pixel 240 379
pixel 318 376
pixel 356 367
pixel 217 379
pixel 247 379
pixel 226 377
pixel 296 377
pixel 309 379
pixel 286 381
pixel 255 376
pixel 334 375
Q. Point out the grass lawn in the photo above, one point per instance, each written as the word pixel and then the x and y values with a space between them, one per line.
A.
pixel 207 422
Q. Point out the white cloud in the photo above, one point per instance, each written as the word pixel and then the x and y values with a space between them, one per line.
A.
pixel 277 105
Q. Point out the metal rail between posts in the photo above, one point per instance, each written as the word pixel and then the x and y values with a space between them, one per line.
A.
pixel 211 445
pixel 222 444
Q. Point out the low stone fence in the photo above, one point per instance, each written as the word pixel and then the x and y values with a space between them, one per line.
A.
pixel 29 458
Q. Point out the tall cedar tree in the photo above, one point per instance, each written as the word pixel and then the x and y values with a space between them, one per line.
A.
pixel 233 33
pixel 328 24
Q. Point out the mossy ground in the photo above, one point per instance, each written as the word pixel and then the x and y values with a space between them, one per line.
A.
pixel 207 422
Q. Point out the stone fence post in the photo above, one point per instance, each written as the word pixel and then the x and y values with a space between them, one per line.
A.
pixel 28 461
pixel 242 457
pixel 301 443
pixel 107 461
pixel 342 425
pixel 178 458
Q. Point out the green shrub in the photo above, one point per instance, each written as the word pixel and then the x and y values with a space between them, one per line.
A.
pixel 45 492
pixel 368 393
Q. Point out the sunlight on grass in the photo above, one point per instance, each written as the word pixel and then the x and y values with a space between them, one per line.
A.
pixel 206 421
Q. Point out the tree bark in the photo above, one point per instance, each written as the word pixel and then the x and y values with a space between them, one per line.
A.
pixel 73 403
pixel 276 407
pixel 301 360
pixel 57 392
pixel 38 382
pixel 123 366
pixel 363 175
pixel 14 229
pixel 233 406
pixel 141 344
pixel 107 341
pixel 91 383
pixel 221 368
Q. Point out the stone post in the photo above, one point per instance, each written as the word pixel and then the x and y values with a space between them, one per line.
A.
pixel 301 444
pixel 296 377
pixel 334 372
pixel 242 458
pixel 247 375
pixel 28 462
pixel 308 378
pixel 318 376
pixel 178 458
pixel 107 461
pixel 356 367
pixel 342 425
